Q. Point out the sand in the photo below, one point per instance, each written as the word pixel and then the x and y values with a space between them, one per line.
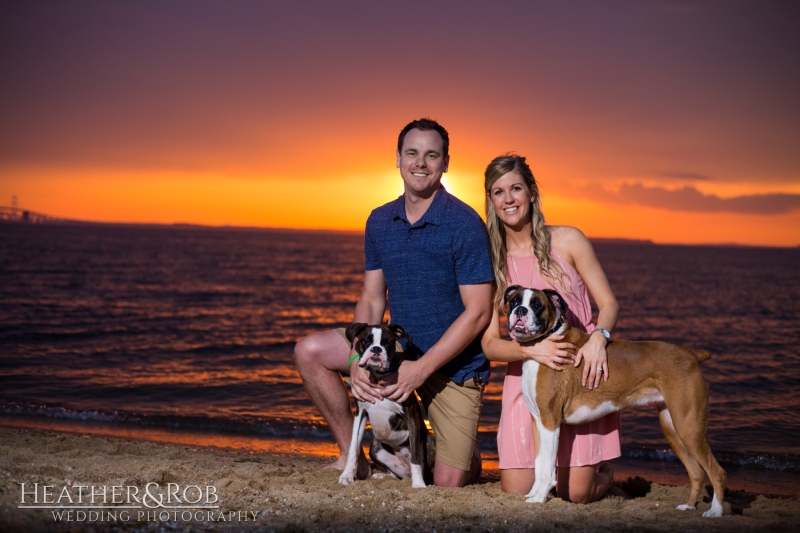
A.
pixel 293 493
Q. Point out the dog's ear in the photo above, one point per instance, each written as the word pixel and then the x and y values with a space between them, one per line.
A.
pixel 509 291
pixel 398 331
pixel 557 300
pixel 354 330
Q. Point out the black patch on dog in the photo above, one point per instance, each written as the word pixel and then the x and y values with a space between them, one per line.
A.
pixel 398 423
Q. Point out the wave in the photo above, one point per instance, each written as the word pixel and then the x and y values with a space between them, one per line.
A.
pixel 312 429
pixel 252 426
pixel 765 461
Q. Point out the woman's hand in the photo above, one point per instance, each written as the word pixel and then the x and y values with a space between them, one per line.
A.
pixel 573 246
pixel 596 367
pixel 550 352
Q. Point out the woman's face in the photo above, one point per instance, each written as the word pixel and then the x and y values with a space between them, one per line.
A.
pixel 511 200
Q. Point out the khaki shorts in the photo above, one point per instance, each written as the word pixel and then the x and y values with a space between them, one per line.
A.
pixel 453 411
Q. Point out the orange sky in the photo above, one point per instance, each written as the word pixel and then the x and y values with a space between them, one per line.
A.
pixel 670 121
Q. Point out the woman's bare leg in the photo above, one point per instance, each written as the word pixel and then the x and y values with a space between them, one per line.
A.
pixel 584 484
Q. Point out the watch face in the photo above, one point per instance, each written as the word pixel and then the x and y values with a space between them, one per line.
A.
pixel 604 333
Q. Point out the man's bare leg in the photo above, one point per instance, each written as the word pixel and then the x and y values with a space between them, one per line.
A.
pixel 320 358
pixel 449 476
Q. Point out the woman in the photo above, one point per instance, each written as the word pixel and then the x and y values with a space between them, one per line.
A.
pixel 528 253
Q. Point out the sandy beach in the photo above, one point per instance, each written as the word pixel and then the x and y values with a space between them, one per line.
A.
pixel 203 489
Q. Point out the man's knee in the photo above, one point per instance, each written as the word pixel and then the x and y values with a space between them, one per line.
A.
pixel 325 350
pixel 307 350
pixel 448 476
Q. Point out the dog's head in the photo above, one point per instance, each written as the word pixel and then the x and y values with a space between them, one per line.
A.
pixel 533 313
pixel 376 345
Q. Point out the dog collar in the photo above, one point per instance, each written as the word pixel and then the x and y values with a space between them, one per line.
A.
pixel 559 323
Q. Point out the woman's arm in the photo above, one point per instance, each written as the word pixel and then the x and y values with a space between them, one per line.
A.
pixel 573 245
pixel 548 351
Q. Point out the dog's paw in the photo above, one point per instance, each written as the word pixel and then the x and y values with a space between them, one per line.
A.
pixel 686 507
pixel 347 478
pixel 539 492
pixel 536 496
pixel 715 511
pixel 418 485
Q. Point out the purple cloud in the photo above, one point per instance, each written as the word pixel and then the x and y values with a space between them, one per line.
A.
pixel 691 200
pixel 684 176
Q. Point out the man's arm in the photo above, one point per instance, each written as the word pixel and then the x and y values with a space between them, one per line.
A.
pixel 369 309
pixel 372 303
pixel 477 313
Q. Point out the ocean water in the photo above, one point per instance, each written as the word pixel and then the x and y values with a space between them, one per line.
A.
pixel 190 331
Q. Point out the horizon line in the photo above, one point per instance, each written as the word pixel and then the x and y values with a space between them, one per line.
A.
pixel 51 221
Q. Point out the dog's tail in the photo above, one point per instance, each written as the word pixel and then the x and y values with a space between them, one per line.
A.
pixel 702 355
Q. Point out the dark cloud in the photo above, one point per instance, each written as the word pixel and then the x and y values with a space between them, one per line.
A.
pixel 254 87
pixel 684 176
pixel 691 200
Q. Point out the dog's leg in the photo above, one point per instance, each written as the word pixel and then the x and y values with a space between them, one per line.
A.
pixel 382 455
pixel 416 442
pixel 359 424
pixel 696 473
pixel 689 411
pixel 546 443
pixel 429 439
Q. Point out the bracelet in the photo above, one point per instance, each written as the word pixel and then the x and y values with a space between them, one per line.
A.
pixel 350 362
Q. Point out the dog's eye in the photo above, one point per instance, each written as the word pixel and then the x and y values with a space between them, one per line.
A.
pixel 536 304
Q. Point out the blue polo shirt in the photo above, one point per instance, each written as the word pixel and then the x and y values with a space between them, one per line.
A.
pixel 424 264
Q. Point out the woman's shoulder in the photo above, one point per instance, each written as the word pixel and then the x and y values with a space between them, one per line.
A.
pixel 566 237
pixel 569 242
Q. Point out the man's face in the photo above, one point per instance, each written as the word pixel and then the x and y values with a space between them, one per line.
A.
pixel 421 161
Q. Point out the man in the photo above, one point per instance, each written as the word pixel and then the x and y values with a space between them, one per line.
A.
pixel 431 252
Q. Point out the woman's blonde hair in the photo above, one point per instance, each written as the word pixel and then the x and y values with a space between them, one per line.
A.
pixel 540 234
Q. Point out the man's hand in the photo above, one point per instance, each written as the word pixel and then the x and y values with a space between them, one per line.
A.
pixel 400 385
pixel 361 386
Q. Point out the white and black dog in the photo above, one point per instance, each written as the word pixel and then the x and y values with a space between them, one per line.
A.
pixel 642 372
pixel 402 442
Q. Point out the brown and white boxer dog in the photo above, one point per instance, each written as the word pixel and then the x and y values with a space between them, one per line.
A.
pixel 402 441
pixel 644 372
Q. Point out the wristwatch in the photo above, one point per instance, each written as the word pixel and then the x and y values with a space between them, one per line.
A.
pixel 604 332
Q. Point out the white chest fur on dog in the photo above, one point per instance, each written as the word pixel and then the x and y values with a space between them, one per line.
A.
pixel 380 415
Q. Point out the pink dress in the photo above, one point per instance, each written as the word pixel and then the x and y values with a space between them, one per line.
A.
pixel 581 445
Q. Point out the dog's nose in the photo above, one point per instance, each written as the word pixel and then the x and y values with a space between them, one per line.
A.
pixel 376 350
pixel 522 311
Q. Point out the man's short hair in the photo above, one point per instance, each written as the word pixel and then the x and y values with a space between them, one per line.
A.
pixel 425 124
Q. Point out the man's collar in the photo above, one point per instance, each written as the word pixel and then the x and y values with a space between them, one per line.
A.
pixel 433 215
